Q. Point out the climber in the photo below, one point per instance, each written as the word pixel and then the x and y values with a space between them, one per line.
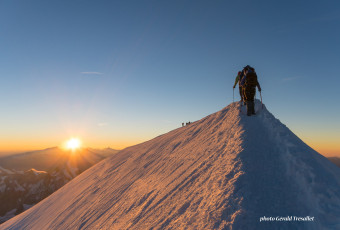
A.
pixel 238 80
pixel 248 83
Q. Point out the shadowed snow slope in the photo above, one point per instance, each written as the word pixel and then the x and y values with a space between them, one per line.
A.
pixel 225 171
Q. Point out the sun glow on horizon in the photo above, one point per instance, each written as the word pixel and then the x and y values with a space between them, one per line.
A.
pixel 73 144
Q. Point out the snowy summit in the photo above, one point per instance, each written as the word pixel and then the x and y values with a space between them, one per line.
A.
pixel 225 171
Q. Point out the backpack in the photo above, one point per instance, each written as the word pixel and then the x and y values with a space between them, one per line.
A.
pixel 251 78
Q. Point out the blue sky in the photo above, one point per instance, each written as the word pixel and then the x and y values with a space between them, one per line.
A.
pixel 117 73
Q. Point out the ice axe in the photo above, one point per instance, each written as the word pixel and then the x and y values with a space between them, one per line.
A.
pixel 261 99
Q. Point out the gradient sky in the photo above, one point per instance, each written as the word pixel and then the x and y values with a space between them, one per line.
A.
pixel 116 73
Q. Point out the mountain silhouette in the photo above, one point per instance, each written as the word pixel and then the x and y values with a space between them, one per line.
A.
pixel 55 157
pixel 225 171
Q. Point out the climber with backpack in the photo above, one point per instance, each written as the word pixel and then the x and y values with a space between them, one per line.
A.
pixel 238 80
pixel 248 83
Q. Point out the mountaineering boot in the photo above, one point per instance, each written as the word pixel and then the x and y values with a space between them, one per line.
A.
pixel 248 108
pixel 253 108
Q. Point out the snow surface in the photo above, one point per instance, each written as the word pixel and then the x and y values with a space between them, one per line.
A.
pixel 5 170
pixel 37 172
pixel 225 171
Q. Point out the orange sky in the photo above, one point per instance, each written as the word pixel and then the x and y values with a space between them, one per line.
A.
pixel 325 147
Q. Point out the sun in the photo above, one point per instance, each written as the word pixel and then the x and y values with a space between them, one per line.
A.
pixel 73 144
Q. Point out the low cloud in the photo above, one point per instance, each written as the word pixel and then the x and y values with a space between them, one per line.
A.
pixel 92 73
pixel 102 124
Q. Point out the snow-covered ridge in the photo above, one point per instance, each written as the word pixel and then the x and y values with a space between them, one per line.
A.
pixel 3 171
pixel 225 171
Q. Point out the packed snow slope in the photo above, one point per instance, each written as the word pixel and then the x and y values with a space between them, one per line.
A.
pixel 225 171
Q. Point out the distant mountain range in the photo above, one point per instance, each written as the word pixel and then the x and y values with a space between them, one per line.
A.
pixel 27 178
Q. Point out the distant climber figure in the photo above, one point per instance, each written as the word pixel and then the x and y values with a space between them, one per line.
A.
pixel 238 81
pixel 248 83
pixel 182 124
